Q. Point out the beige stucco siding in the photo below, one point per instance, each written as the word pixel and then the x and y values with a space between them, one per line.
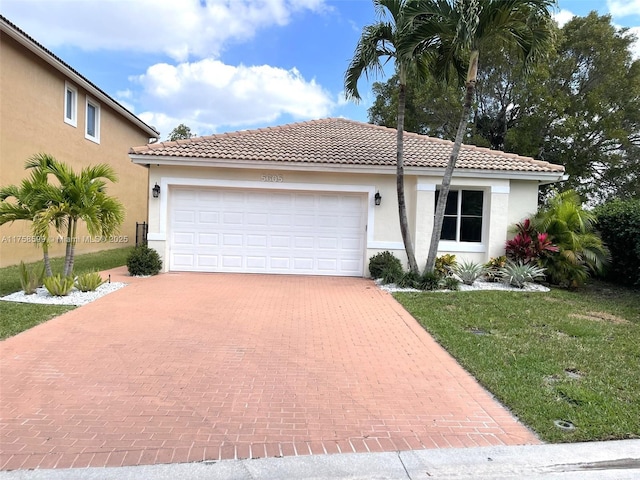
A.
pixel 505 202
pixel 32 121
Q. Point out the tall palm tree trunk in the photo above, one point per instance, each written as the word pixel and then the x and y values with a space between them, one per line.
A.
pixel 402 206
pixel 45 259
pixel 453 158
pixel 69 251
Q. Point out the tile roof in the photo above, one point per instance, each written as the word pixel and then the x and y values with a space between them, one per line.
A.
pixel 337 141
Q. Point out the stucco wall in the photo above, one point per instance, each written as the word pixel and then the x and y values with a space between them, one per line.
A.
pixel 32 121
pixel 505 203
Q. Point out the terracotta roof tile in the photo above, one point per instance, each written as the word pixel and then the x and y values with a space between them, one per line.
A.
pixel 341 142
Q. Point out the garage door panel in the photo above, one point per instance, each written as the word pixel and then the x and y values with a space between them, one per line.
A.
pixel 258 219
pixel 183 238
pixel 266 231
pixel 232 218
pixel 257 263
pixel 281 220
pixel 184 216
pixel 329 243
pixel 207 261
pixel 280 241
pixel 232 240
pixel 209 217
pixel 182 260
pixel 232 261
pixel 257 240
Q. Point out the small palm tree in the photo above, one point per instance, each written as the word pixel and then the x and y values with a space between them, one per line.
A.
pixel 455 31
pixel 572 230
pixel 82 197
pixel 30 200
pixel 378 45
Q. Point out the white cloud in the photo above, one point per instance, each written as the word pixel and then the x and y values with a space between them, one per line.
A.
pixel 563 17
pixel 181 29
pixel 208 94
pixel 623 8
pixel 635 47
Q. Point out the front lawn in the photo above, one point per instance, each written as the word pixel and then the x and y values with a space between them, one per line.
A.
pixel 571 356
pixel 17 317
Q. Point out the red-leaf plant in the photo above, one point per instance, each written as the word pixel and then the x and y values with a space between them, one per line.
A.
pixel 528 245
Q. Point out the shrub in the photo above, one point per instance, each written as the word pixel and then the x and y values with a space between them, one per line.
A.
pixel 528 246
pixel 572 229
pixel 88 282
pixel 384 261
pixel 444 264
pixel 58 286
pixel 143 261
pixel 468 272
pixel 492 268
pixel 430 281
pixel 517 274
pixel 619 227
pixel 31 278
pixel 451 283
pixel 409 280
pixel 392 274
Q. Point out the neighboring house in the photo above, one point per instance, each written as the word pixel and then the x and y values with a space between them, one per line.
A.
pixel 48 107
pixel 301 198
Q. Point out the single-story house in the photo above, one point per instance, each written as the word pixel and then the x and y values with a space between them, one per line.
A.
pixel 319 198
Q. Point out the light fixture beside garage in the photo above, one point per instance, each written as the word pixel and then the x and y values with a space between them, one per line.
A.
pixel 377 198
pixel 156 191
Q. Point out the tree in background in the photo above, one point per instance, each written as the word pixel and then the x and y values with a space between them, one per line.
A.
pixel 579 109
pixel 181 132
pixel 461 29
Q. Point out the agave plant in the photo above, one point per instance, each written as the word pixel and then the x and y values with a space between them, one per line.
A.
pixel 468 272
pixel 518 274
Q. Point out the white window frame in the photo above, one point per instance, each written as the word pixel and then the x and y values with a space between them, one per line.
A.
pixel 73 119
pixel 459 216
pixel 94 138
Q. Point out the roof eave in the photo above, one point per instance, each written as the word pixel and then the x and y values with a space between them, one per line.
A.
pixel 175 161
pixel 63 68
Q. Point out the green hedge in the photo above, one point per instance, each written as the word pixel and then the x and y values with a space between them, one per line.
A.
pixel 619 226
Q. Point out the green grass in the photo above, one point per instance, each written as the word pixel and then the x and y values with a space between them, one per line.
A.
pixel 562 355
pixel 17 317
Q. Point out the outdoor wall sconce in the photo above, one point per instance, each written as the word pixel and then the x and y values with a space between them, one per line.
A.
pixel 377 198
pixel 156 191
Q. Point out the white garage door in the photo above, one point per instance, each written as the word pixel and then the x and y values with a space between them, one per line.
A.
pixel 265 231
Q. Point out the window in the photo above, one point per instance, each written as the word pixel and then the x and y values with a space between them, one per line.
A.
pixel 92 131
pixel 463 216
pixel 70 105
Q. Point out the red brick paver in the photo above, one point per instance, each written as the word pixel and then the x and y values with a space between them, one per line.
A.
pixel 192 367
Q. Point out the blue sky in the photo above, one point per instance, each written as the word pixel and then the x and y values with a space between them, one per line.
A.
pixel 223 65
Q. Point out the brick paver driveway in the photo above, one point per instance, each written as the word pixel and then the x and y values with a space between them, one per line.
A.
pixel 191 367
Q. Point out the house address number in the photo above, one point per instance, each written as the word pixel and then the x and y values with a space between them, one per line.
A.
pixel 273 178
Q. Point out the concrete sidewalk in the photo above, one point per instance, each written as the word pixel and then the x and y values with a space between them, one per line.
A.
pixel 618 460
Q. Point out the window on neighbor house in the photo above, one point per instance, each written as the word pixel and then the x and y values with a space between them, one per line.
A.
pixel 92 131
pixel 463 216
pixel 70 105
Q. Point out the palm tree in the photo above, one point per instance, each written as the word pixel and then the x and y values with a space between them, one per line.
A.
pixel 30 200
pixel 379 44
pixel 455 30
pixel 82 197
pixel 572 230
